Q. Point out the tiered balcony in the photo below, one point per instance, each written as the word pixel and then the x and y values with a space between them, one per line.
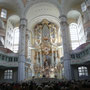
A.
pixel 8 60
pixel 81 56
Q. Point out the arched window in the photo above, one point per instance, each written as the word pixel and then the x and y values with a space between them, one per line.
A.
pixel 4 13
pixel 83 71
pixel 8 74
pixel 16 39
pixel 74 35
pixel 77 33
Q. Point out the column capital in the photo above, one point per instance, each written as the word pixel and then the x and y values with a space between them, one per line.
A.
pixel 63 19
pixel 23 21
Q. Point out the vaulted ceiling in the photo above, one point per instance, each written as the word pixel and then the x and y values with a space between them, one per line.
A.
pixel 16 6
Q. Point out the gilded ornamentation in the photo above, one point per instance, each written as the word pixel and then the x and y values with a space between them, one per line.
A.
pixel 45 37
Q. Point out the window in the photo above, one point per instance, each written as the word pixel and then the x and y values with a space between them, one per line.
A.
pixel 6 58
pixel 3 57
pixel 82 71
pixel 73 56
pixel 78 55
pixel 16 39
pixel 8 74
pixel 74 35
pixel 15 59
pixel 10 59
pixel 4 13
pixel 77 33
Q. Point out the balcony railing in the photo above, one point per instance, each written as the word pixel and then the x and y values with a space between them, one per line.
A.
pixel 8 60
pixel 81 57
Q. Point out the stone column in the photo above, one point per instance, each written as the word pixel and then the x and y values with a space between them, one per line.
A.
pixel 37 59
pixel 56 57
pixel 41 58
pixel 66 46
pixel 87 21
pixel 21 64
pixel 52 58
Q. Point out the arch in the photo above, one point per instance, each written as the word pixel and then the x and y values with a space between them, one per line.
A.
pixel 34 2
pixel 76 28
pixel 14 18
pixel 42 8
pixel 74 35
pixel 73 14
pixel 12 22
pixel 16 39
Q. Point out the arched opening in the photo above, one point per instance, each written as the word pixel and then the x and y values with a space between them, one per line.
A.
pixel 74 35
pixel 12 33
pixel 16 40
pixel 76 28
